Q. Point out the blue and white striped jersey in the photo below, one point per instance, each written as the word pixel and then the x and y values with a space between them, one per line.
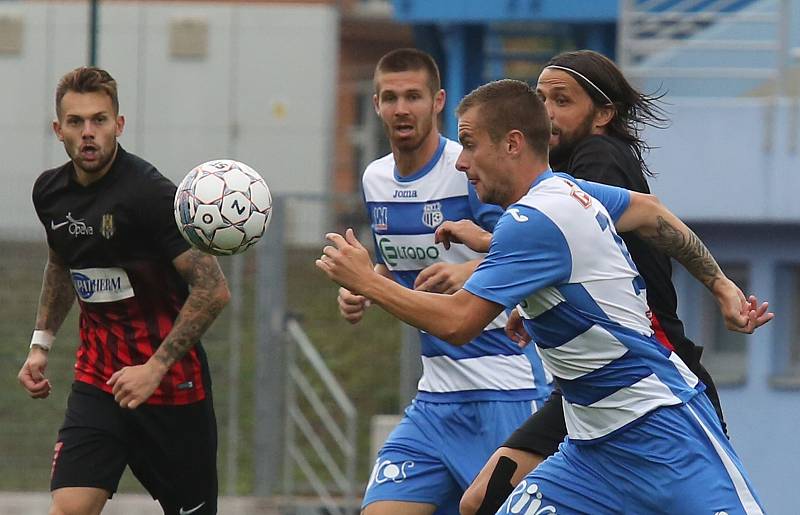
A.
pixel 405 212
pixel 556 255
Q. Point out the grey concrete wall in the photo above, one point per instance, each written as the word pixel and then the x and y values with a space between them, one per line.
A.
pixel 263 93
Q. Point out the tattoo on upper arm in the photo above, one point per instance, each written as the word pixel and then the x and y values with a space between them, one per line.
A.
pixel 57 295
pixel 686 249
pixel 207 297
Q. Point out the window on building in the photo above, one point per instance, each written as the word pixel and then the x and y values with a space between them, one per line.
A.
pixel 367 136
pixel 725 354
pixel 787 328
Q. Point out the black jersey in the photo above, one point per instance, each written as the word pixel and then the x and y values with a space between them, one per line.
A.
pixel 118 237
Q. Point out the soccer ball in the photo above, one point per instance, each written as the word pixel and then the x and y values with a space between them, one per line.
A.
pixel 222 207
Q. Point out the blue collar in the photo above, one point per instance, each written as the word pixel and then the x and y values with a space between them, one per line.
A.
pixel 545 175
pixel 427 167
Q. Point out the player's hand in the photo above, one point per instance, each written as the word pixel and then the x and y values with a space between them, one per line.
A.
pixel 515 329
pixel 463 231
pixel 444 277
pixel 132 386
pixel 31 375
pixel 351 306
pixel 346 262
pixel 742 314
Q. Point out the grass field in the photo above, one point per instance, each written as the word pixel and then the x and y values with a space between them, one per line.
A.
pixel 362 357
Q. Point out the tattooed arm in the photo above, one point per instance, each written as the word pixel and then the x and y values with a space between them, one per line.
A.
pixel 658 226
pixel 209 294
pixel 55 302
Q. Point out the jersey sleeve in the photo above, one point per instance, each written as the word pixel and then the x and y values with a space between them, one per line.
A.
pixel 157 212
pixel 615 200
pixel 528 252
pixel 36 197
pixel 485 215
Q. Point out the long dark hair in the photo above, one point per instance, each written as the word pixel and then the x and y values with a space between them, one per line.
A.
pixel 633 109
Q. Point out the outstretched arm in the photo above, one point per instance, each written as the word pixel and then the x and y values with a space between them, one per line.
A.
pixel 456 318
pixel 207 297
pixel 654 223
pixel 55 302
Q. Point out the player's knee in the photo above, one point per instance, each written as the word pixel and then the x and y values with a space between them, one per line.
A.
pixel 76 505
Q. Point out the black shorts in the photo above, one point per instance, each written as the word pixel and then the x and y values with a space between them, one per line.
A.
pixel 543 431
pixel 172 450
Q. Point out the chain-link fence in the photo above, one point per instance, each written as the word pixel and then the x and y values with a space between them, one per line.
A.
pixel 362 358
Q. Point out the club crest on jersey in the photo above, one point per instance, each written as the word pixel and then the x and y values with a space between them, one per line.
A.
pixel 432 214
pixel 380 218
pixel 107 226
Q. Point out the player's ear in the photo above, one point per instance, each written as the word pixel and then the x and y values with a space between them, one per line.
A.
pixel 603 116
pixel 120 124
pixel 438 101
pixel 375 104
pixel 57 130
pixel 514 142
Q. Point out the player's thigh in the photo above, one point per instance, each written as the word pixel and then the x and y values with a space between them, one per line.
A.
pixel 565 484
pixel 398 508
pixel 410 466
pixel 92 446
pixel 78 501
pixel 504 470
pixel 175 456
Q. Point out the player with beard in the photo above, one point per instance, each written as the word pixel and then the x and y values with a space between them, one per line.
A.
pixel 469 397
pixel 643 436
pixel 596 118
pixel 142 390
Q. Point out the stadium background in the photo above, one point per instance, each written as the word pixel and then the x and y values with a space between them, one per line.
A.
pixel 286 87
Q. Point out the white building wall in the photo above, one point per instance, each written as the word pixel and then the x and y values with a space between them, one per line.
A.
pixel 264 94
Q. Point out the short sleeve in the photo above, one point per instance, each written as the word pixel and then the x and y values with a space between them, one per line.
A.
pixel 157 211
pixel 528 252
pixel 615 200
pixel 485 215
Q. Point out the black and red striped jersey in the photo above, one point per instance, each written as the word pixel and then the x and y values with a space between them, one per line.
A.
pixel 118 238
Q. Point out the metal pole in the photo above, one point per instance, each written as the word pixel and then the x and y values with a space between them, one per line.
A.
pixel 234 374
pixel 94 8
pixel 410 364
pixel 270 355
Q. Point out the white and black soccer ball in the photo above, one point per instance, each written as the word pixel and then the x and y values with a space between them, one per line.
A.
pixel 222 207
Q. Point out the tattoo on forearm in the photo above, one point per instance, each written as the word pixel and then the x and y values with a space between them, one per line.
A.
pixel 687 249
pixel 56 298
pixel 206 300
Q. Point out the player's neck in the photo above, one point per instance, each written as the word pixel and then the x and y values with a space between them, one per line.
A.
pixel 527 173
pixel 411 161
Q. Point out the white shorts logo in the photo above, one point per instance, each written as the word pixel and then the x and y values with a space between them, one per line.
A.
pixel 102 284
pixel 183 511
pixel 526 493
pixel 387 471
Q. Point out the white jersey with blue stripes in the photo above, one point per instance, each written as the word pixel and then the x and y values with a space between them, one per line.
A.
pixel 556 255
pixel 404 213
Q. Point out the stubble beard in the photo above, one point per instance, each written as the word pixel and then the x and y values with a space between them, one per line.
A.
pixel 104 158
pixel 561 153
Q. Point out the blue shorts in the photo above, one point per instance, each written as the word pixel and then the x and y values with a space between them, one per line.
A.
pixel 437 449
pixel 676 460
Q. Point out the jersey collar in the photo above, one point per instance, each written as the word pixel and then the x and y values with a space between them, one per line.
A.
pixel 427 167
pixel 545 175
